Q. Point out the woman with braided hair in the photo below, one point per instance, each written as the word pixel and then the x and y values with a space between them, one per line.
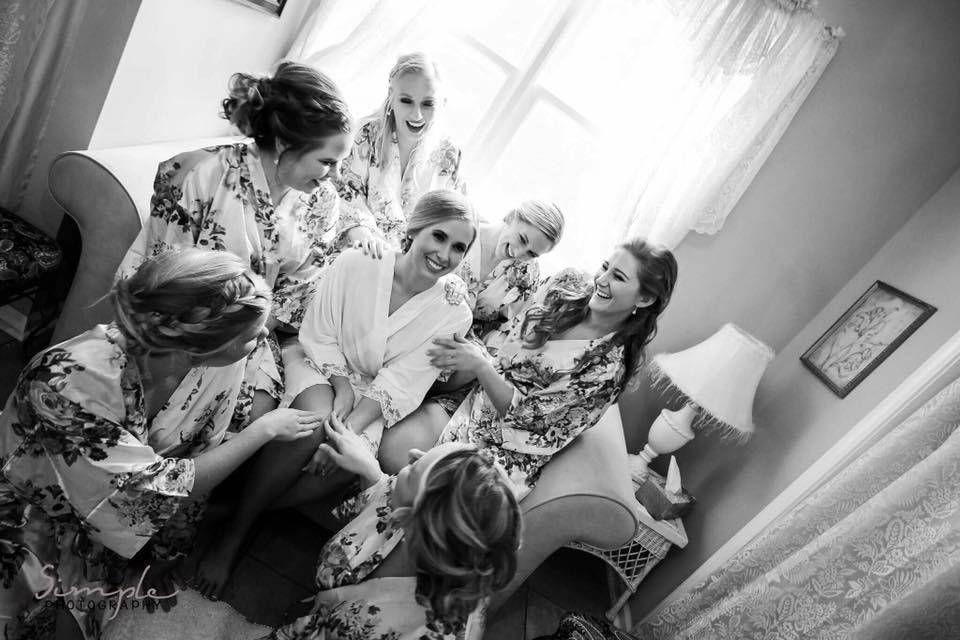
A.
pixel 269 201
pixel 557 366
pixel 111 439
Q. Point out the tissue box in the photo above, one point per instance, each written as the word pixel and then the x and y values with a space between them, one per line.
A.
pixel 660 504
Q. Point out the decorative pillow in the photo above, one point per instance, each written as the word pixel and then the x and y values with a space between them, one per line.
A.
pixel 578 626
pixel 26 256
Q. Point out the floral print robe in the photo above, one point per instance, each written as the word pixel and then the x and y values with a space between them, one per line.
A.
pixel 219 198
pixel 499 295
pixel 349 332
pixel 379 196
pixel 494 299
pixel 352 606
pixel 87 480
pixel 560 390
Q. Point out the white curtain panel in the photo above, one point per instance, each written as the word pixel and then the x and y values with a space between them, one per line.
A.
pixel 644 117
pixel 871 555
pixel 36 37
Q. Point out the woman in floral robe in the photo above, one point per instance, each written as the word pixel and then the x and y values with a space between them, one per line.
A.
pixel 110 438
pixel 460 524
pixel 560 364
pixel 421 553
pixel 269 201
pixel 399 154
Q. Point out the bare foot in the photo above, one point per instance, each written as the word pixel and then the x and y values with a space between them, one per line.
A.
pixel 215 567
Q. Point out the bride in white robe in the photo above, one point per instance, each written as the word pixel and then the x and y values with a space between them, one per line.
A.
pixel 362 355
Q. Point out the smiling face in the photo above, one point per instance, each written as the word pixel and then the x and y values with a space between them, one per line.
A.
pixel 437 249
pixel 522 241
pixel 308 170
pixel 617 285
pixel 413 100
pixel 240 347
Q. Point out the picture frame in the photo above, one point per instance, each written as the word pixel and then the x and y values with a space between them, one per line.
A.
pixel 273 7
pixel 864 336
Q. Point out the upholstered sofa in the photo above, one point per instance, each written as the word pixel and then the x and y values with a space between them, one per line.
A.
pixel 585 494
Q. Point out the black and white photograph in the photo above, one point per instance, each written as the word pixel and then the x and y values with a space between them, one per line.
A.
pixel 459 320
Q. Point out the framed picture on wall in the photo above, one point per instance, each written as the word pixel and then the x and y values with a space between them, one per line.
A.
pixel 870 330
pixel 274 7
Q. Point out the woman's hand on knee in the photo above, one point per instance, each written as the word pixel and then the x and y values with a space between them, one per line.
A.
pixel 288 424
pixel 350 451
pixel 343 401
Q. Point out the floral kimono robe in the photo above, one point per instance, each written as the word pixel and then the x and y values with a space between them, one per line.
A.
pixel 382 198
pixel 500 295
pixel 86 481
pixel 351 606
pixel 218 198
pixel 348 331
pixel 560 390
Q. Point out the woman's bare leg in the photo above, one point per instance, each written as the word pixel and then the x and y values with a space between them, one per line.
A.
pixel 419 430
pixel 263 403
pixel 274 470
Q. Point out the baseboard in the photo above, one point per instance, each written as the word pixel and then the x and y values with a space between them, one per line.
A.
pixel 886 415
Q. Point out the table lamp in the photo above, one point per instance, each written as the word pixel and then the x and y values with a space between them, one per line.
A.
pixel 717 379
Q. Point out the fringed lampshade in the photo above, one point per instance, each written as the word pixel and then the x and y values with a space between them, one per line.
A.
pixel 718 379
pixel 719 376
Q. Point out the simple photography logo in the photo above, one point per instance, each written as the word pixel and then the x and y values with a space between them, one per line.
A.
pixel 90 598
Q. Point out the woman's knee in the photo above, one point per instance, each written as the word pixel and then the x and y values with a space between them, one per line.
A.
pixel 318 398
pixel 420 430
pixel 263 403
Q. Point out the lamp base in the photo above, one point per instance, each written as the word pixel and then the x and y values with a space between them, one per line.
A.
pixel 670 431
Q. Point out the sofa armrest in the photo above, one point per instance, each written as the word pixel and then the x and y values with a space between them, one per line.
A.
pixel 107 192
pixel 584 494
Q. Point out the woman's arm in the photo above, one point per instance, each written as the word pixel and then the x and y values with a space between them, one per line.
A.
pixel 469 358
pixel 213 466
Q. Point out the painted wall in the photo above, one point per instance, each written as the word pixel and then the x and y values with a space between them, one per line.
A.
pixel 874 139
pixel 174 72
pixel 800 419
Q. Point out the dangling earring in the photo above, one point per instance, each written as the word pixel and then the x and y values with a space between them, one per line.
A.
pixel 406 243
pixel 635 311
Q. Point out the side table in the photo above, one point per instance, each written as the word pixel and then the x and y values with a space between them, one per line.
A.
pixel 633 561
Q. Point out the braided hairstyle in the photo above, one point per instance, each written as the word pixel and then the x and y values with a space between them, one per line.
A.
pixel 298 106
pixel 189 300
pixel 567 304
pixel 464 533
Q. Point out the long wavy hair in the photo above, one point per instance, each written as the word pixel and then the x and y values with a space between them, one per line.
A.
pixel 298 106
pixel 189 300
pixel 567 305
pixel 464 533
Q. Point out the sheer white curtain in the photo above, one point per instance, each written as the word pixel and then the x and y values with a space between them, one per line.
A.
pixel 36 37
pixel 636 116
pixel 873 554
